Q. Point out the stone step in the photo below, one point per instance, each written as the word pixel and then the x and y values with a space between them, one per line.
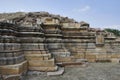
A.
pixel 11 77
pixel 60 71
pixel 72 64
pixel 81 60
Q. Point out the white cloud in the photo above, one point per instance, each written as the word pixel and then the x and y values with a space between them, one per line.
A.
pixel 83 9
pixel 22 10
pixel 113 27
pixel 86 8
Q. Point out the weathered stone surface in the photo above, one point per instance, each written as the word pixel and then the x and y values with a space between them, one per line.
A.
pixel 64 59
pixel 14 69
pixel 44 69
pixel 114 60
pixel 46 39
pixel 12 77
pixel 38 56
pixel 42 63
pixel 12 60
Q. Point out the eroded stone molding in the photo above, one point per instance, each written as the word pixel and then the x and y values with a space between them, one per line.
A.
pixel 32 42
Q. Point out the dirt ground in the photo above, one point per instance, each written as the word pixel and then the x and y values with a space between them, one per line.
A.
pixel 94 71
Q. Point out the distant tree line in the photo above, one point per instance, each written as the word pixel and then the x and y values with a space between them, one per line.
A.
pixel 115 31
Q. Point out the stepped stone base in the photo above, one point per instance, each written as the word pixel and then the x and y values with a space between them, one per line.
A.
pixel 41 65
pixel 13 69
pixel 97 57
pixel 40 62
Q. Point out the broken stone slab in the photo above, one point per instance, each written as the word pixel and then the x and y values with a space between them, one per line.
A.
pixel 60 71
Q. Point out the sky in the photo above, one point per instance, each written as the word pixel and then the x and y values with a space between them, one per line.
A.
pixel 98 13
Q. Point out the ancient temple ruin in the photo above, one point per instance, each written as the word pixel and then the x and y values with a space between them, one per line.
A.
pixel 40 42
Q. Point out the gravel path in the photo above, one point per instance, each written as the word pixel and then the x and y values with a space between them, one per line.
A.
pixel 94 71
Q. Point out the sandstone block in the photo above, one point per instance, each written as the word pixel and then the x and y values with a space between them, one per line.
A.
pixel 54 68
pixel 114 60
pixel 115 55
pixel 64 59
pixel 91 60
pixel 32 52
pixel 79 56
pixel 38 56
pixel 90 56
pixel 101 56
pixel 13 69
pixel 44 63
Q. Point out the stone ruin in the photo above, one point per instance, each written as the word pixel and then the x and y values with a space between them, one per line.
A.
pixel 45 43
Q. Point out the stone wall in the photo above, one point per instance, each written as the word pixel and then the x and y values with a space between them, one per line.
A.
pixel 35 49
pixel 12 60
pixel 91 45
pixel 53 35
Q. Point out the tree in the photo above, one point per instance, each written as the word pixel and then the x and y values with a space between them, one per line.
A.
pixel 114 31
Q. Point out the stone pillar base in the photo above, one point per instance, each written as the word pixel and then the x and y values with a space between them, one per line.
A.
pixel 13 72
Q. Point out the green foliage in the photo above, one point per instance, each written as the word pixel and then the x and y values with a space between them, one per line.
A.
pixel 115 31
